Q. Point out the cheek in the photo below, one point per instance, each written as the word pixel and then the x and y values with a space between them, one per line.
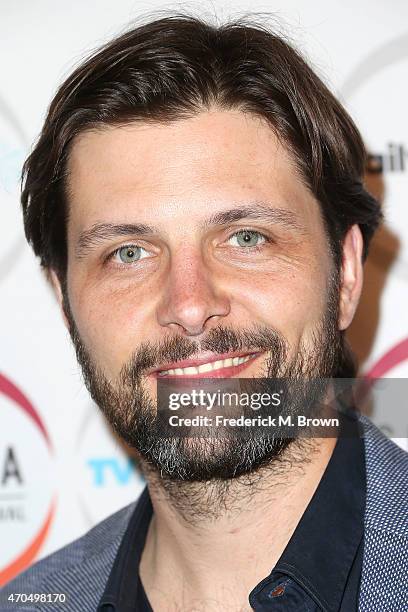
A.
pixel 111 323
pixel 293 304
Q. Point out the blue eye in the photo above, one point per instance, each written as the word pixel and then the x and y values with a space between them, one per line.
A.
pixel 129 253
pixel 248 238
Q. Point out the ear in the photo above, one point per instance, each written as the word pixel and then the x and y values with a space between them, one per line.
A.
pixel 351 276
pixel 56 285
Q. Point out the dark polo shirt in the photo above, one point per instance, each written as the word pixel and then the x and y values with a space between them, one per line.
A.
pixel 320 567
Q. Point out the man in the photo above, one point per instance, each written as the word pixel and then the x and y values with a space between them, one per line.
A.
pixel 196 200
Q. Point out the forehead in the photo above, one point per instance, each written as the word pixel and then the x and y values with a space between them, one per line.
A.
pixel 189 167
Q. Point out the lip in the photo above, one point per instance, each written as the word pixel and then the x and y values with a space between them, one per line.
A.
pixel 208 357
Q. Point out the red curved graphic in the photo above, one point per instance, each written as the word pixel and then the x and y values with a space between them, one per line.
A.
pixel 10 390
pixel 396 355
pixel 393 357
pixel 28 555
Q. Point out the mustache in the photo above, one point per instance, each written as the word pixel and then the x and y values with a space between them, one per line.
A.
pixel 218 340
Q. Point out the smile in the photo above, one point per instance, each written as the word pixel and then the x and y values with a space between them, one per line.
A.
pixel 213 368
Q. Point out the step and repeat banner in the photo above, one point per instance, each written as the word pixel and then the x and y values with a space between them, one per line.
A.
pixel 61 469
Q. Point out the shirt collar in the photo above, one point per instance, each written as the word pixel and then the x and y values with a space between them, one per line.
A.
pixel 321 551
pixel 122 584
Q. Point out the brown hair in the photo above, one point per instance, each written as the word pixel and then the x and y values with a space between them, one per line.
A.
pixel 175 67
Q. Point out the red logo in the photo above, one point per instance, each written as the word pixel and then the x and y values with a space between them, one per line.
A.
pixel 30 551
pixel 393 357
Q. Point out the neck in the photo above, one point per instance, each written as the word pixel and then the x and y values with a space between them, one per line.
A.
pixel 214 541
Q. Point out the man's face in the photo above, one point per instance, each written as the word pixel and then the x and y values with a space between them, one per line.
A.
pixel 182 232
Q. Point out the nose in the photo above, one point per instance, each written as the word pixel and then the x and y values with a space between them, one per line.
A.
pixel 191 301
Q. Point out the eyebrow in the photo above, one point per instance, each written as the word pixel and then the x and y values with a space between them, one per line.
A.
pixel 102 232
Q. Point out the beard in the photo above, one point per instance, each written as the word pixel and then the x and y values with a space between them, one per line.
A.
pixel 131 411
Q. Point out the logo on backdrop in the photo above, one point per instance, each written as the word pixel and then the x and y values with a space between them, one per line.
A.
pixel 108 477
pixel 27 498
pixel 381 113
pixel 13 146
pixel 394 159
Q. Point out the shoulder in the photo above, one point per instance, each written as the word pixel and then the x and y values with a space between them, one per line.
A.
pixel 385 563
pixel 92 554
pixel 387 482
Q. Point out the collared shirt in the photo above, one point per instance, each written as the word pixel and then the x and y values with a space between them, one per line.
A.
pixel 320 568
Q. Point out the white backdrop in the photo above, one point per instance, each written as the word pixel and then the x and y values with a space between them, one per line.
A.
pixel 60 469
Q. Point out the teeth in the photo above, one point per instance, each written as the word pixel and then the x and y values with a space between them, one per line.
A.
pixel 190 370
pixel 206 367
